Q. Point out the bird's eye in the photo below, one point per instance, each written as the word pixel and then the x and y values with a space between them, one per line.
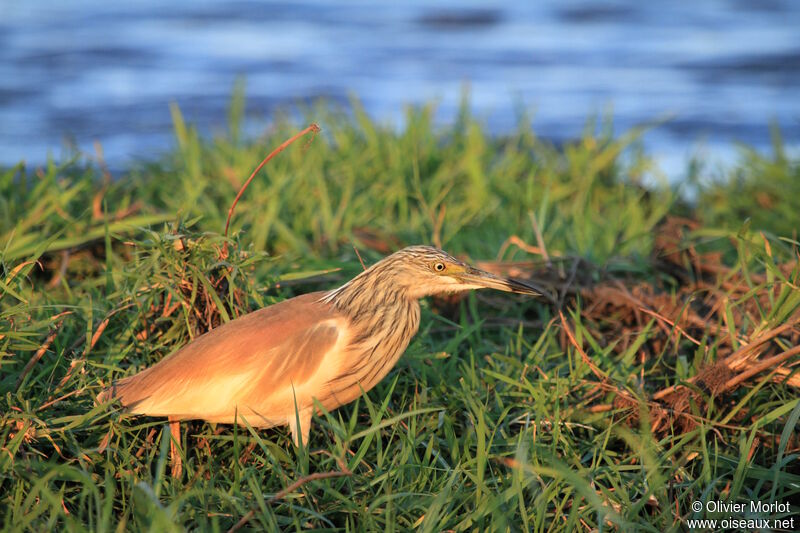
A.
pixel 438 267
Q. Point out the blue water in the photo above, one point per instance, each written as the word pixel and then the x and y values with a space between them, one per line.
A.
pixel 93 70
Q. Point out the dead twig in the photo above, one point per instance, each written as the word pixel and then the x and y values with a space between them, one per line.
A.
pixel 293 487
pixel 745 351
pixel 670 323
pixel 359 258
pixel 314 128
pixel 39 353
pixel 738 357
pixel 761 366
pixel 596 371
pixel 174 447
pixel 55 401
pixel 522 245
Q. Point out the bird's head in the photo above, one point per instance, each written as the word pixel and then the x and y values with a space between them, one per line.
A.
pixel 425 270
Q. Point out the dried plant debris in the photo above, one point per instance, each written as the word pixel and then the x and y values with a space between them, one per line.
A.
pixel 736 325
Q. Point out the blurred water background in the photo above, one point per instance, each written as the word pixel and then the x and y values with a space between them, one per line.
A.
pixel 90 70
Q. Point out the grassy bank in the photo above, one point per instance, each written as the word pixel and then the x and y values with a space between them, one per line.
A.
pixel 655 374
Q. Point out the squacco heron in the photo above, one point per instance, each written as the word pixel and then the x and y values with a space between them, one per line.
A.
pixel 269 367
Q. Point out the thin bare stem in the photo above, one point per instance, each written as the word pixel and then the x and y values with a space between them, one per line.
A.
pixel 359 258
pixel 39 353
pixel 291 488
pixel 596 371
pixel 314 128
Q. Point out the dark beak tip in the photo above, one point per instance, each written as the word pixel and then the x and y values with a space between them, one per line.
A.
pixel 529 292
pixel 521 287
pixel 492 281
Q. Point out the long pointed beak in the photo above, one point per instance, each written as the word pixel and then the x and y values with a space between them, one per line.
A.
pixel 480 278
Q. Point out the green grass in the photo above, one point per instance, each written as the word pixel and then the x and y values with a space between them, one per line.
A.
pixel 493 419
